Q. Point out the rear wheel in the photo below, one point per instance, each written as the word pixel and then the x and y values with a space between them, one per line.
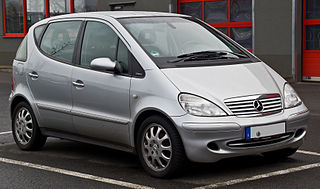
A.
pixel 25 130
pixel 160 148
pixel 280 154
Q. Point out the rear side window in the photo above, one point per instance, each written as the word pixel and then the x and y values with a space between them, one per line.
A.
pixel 22 50
pixel 59 40
pixel 37 33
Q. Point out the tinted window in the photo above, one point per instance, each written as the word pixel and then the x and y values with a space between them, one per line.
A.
pixel 243 36
pixel 59 40
pixel 99 41
pixel 22 50
pixel 122 57
pixel 193 9
pixel 216 11
pixel 312 9
pixel 241 10
pixel 14 16
pixel 313 37
pixel 37 33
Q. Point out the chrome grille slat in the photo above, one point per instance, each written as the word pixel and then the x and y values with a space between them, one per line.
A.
pixel 271 102
pixel 244 106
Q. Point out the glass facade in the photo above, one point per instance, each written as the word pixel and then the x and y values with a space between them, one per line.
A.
pixel 20 15
pixel 58 7
pixel 35 11
pixel 194 9
pixel 231 17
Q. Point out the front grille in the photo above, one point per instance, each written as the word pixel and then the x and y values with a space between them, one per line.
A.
pixel 256 105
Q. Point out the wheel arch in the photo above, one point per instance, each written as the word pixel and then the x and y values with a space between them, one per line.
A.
pixel 16 100
pixel 142 115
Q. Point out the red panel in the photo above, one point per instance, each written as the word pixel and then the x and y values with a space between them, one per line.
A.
pixel 310 58
pixel 4 17
pixel 311 64
pixel 47 9
pixel 232 24
pixel 202 10
pixel 13 35
pixel 71 6
pixel 25 30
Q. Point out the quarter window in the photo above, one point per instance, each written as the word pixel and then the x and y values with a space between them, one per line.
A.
pixel 122 57
pixel 99 41
pixel 37 32
pixel 59 40
pixel 22 50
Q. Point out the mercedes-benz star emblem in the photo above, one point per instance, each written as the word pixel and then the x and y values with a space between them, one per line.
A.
pixel 258 105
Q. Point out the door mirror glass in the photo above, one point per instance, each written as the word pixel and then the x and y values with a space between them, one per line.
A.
pixel 103 64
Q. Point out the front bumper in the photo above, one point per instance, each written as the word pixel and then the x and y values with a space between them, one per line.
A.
pixel 208 139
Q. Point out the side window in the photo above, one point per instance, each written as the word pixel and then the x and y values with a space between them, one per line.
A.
pixel 123 57
pixel 99 41
pixel 22 50
pixel 37 32
pixel 59 40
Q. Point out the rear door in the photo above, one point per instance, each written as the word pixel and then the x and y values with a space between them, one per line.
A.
pixel 101 99
pixel 49 74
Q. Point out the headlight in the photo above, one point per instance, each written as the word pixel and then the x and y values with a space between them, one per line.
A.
pixel 291 98
pixel 198 106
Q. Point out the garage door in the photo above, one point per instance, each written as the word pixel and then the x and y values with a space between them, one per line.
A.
pixel 311 37
pixel 232 17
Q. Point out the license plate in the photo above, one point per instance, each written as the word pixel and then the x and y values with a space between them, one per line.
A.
pixel 267 130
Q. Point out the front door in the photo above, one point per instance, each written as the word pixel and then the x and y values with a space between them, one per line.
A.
pixel 311 40
pixel 101 99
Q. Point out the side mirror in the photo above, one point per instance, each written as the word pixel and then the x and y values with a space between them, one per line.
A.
pixel 104 64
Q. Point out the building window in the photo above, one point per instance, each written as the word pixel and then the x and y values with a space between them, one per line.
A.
pixel 231 17
pixel 13 19
pixel 58 7
pixel 35 11
pixel 20 15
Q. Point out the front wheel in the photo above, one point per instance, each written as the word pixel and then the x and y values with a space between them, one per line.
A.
pixel 25 130
pixel 160 148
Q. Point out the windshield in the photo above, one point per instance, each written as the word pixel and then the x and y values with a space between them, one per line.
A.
pixel 165 38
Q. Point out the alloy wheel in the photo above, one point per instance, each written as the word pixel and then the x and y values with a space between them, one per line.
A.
pixel 156 147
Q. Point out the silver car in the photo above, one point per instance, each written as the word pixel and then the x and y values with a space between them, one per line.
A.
pixel 167 87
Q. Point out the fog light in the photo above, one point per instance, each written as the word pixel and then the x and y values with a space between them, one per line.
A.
pixel 213 146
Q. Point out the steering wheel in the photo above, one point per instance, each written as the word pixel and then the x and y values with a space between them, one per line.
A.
pixel 186 46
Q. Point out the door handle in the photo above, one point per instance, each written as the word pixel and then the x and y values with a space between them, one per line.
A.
pixel 33 75
pixel 78 83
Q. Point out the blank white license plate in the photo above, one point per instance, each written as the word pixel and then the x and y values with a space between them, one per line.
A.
pixel 267 130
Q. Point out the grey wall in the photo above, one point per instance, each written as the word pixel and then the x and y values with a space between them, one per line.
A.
pixel 272 34
pixel 142 5
pixel 8 46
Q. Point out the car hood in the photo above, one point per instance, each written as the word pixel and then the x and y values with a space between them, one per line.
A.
pixel 218 83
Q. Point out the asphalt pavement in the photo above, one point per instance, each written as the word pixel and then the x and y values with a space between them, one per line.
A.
pixel 67 164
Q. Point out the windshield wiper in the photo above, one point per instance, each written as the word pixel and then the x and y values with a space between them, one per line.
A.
pixel 206 55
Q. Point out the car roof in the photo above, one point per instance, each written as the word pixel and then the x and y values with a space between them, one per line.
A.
pixel 119 14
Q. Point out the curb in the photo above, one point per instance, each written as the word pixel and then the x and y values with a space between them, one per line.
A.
pixel 5 68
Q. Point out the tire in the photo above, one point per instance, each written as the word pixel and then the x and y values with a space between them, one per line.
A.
pixel 280 154
pixel 25 130
pixel 161 155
